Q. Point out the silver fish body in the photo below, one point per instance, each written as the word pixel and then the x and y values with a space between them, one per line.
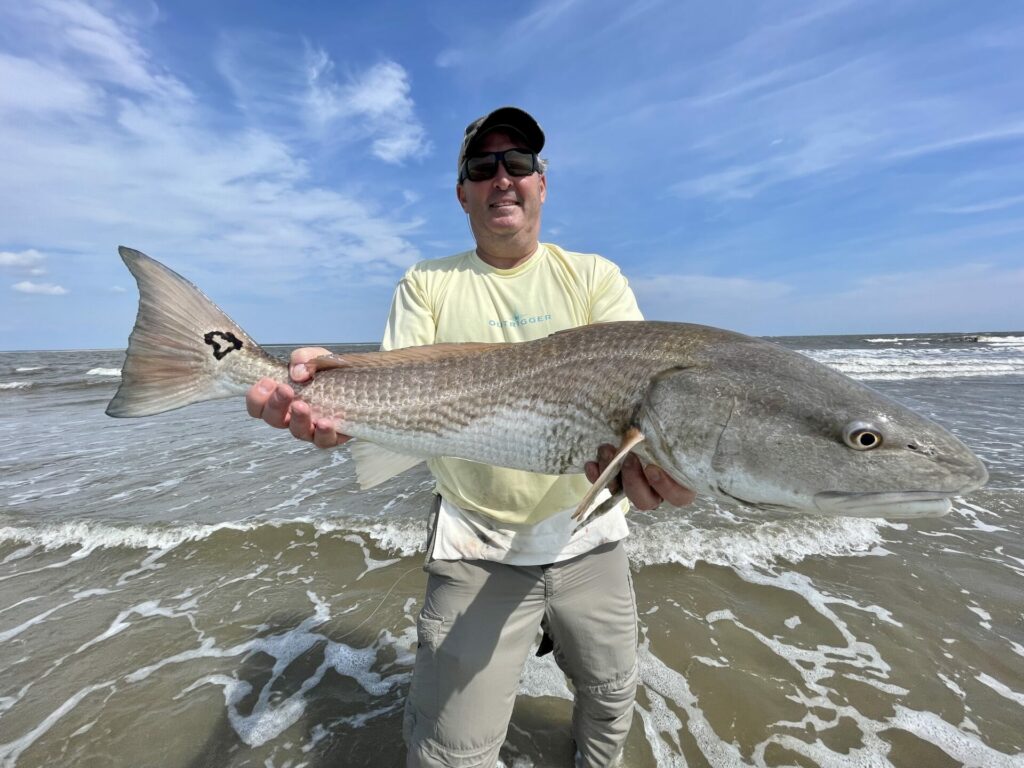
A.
pixel 725 414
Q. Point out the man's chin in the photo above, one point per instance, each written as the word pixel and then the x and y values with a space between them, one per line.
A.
pixel 506 221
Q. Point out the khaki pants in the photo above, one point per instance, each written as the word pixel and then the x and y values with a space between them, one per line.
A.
pixel 479 622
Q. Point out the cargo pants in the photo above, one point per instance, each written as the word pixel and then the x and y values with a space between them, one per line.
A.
pixel 478 624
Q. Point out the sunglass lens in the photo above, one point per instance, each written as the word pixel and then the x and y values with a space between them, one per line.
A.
pixel 481 168
pixel 518 162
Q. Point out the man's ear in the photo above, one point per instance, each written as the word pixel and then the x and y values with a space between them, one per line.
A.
pixel 461 194
pixel 543 187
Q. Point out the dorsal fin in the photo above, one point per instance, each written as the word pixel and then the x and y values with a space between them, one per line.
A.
pixel 427 354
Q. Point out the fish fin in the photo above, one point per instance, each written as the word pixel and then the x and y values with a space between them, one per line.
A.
pixel 630 440
pixel 603 508
pixel 375 464
pixel 183 348
pixel 426 354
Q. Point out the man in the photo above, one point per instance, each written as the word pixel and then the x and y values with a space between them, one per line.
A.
pixel 504 558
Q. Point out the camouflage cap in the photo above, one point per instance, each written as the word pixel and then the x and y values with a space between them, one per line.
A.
pixel 507 118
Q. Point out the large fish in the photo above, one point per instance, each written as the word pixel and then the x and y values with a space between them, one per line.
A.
pixel 724 414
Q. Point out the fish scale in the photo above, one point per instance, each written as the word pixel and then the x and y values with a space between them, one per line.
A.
pixel 522 403
pixel 733 416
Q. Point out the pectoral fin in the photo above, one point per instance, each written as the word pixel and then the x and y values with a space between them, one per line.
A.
pixel 630 440
pixel 603 508
pixel 375 464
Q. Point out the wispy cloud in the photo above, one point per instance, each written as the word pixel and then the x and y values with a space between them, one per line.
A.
pixel 378 97
pixel 294 88
pixel 1014 130
pixel 44 289
pixel 118 150
pixel 22 260
pixel 997 204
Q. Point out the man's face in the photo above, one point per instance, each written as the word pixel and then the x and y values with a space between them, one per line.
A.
pixel 503 206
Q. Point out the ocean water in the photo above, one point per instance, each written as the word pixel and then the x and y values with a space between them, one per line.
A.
pixel 196 589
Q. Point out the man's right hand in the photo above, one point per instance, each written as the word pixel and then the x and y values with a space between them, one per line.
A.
pixel 276 404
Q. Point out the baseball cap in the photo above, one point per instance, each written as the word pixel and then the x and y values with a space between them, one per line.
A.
pixel 507 118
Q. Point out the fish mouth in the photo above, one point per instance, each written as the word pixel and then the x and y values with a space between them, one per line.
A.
pixel 891 505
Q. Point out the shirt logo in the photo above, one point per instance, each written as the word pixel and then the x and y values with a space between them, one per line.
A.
pixel 519 320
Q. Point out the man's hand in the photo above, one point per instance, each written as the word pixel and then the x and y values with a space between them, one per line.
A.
pixel 275 404
pixel 646 487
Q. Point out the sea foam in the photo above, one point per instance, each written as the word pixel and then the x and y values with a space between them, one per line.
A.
pixel 759 544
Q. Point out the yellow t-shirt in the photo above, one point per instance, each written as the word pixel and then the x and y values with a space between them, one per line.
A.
pixel 462 298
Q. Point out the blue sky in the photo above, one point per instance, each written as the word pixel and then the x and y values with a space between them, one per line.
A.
pixel 771 167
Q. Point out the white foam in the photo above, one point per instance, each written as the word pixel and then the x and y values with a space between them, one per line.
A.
pixel 1001 688
pixel 985 616
pixel 371 563
pixel 404 537
pixel 902 363
pixel 270 716
pixel 145 609
pixel 163 485
pixel 959 745
pixel 20 553
pixel 951 684
pixel 823 712
pixel 27 368
pixel 1015 341
pixel 37 619
pixel 754 544
pixel 90 536
pixel 662 682
pixel 21 602
pixel 104 372
pixel 15 384
pixel 11 751
pixel 542 677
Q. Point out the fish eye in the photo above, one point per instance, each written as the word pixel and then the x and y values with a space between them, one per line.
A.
pixel 861 436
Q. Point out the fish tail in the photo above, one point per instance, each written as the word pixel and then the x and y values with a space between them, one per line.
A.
pixel 183 348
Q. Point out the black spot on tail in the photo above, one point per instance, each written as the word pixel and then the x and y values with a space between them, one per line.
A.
pixel 222 342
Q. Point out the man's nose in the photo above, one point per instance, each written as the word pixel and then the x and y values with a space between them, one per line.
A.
pixel 502 180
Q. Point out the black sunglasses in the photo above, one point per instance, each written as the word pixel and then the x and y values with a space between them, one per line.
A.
pixel 518 162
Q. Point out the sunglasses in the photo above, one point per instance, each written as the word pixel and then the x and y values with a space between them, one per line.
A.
pixel 518 162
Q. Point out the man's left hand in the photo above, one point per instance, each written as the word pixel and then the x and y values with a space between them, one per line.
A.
pixel 645 487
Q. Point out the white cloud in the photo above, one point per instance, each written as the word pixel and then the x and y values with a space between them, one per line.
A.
pixel 29 259
pixel 46 289
pixel 1014 130
pixel 985 206
pixel 378 99
pixel 34 88
pixel 114 149
pixel 88 38
pixel 297 91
